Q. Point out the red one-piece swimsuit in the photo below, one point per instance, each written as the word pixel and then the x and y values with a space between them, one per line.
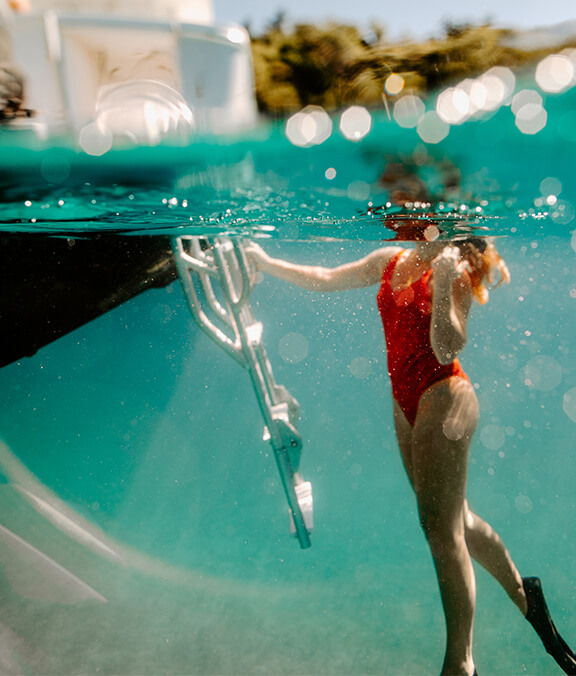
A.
pixel 412 365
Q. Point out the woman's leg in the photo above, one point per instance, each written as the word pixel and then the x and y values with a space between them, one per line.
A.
pixel 450 407
pixel 435 454
pixel 484 543
pixel 446 420
pixel 486 547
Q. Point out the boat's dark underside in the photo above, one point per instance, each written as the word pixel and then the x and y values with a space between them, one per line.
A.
pixel 51 285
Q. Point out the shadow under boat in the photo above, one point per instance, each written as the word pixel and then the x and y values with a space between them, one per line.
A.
pixel 52 286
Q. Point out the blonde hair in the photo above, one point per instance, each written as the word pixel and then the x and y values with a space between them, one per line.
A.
pixel 484 261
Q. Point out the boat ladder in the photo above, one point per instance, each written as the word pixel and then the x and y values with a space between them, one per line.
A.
pixel 215 275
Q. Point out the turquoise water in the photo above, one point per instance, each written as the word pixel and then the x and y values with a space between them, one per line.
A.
pixel 132 449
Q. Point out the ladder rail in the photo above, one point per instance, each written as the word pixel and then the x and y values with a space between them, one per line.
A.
pixel 225 264
pixel 207 271
pixel 284 438
pixel 185 271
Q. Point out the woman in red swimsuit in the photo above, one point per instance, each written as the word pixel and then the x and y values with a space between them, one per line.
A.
pixel 424 299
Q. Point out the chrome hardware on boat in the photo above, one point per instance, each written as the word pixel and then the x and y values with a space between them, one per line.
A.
pixel 216 280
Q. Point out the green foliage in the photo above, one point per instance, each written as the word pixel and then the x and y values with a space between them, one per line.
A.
pixel 310 65
pixel 335 65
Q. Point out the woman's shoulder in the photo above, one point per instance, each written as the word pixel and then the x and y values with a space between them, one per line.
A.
pixel 384 255
pixel 374 264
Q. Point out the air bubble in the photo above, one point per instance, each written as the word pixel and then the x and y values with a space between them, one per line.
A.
pixel 493 437
pixel 293 347
pixel 542 373
pixel 523 504
pixel 569 404
pixel 453 429
pixel 550 186
pixel 360 367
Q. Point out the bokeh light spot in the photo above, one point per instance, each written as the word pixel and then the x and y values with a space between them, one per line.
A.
pixel 236 35
pixel 95 139
pixel 563 212
pixel 523 98
pixel 550 186
pixel 394 84
pixel 330 173
pixel 432 129
pixel 358 191
pixel 355 123
pixel 531 118
pixel 311 126
pixel 477 95
pixel 555 73
pixel 496 90
pixel 569 404
pixel 431 233
pixel 506 77
pixel 408 111
pixel 453 105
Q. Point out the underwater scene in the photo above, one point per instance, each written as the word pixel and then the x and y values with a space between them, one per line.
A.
pixel 145 526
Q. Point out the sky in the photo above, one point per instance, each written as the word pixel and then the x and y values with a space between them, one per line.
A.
pixel 402 19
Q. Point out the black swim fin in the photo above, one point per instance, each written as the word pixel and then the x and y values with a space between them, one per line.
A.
pixel 539 617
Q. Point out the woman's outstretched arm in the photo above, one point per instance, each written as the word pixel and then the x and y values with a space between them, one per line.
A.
pixel 364 272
